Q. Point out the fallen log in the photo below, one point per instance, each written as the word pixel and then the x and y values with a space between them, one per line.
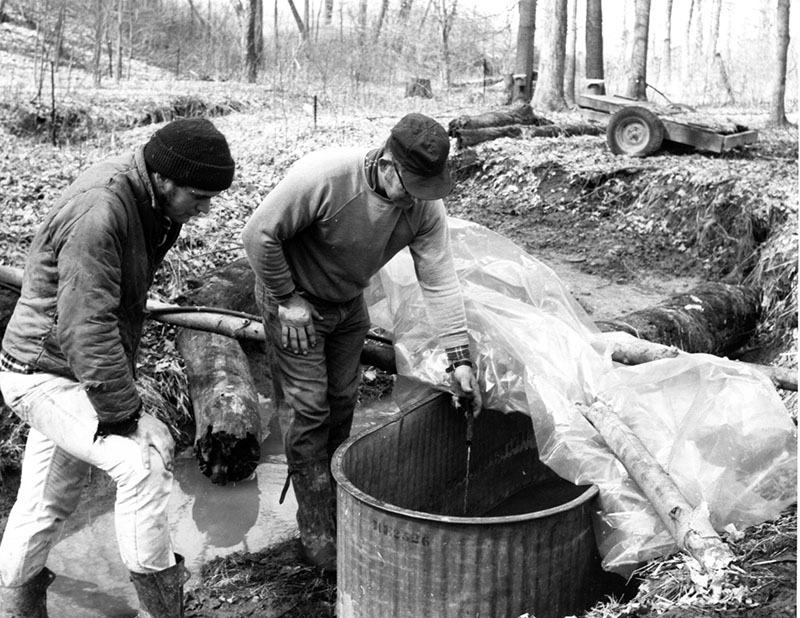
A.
pixel 713 318
pixel 470 137
pixel 226 408
pixel 689 526
pixel 221 374
pixel 520 115
pixel 629 350
pixel 564 130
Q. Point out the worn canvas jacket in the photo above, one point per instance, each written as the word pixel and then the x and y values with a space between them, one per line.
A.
pixel 87 274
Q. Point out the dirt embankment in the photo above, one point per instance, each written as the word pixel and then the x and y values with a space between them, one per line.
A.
pixel 621 232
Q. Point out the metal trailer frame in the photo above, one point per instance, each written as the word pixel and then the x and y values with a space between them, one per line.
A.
pixel 602 107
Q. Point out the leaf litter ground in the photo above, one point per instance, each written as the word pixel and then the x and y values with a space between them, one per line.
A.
pixel 623 233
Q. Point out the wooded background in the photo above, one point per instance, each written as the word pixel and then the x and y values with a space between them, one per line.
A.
pixel 716 52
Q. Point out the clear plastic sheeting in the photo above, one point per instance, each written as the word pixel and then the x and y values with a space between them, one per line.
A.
pixel 716 426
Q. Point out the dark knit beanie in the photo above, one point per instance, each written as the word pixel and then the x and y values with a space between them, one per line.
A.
pixel 192 153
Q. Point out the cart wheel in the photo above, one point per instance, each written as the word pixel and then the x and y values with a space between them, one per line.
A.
pixel 634 131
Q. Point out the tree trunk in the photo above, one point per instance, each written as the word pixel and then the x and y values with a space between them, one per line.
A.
pixel 254 39
pixel 777 112
pixel 419 87
pixel 301 27
pixel 402 24
pixel 119 37
pixel 594 44
pixel 523 64
pixel 381 19
pixel 629 350
pixel 717 64
pixel 225 401
pixel 637 78
pixel 447 13
pixel 686 63
pixel 222 379
pixel 569 66
pixel 470 137
pixel 689 526
pixel 522 114
pixel 97 44
pixel 714 318
pixel 667 60
pixel 549 92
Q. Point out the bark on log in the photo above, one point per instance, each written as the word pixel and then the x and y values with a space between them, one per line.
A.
pixel 714 318
pixel 221 380
pixel 688 525
pixel 226 409
pixel 522 115
pixel 628 350
pixel 565 130
pixel 470 137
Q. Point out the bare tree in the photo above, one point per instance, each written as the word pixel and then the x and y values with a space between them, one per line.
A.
pixel 119 33
pixel 328 12
pixel 97 47
pixel 687 45
pixel 301 27
pixel 777 113
pixel 637 77
pixel 446 14
pixel 718 64
pixel 549 92
pixel 594 42
pixel 253 39
pixel 523 64
pixel 381 19
pixel 362 22
pixel 666 66
pixel 569 65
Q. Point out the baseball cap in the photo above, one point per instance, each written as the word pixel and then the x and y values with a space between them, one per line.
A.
pixel 420 146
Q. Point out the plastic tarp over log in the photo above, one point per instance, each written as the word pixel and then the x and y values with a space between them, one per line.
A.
pixel 717 427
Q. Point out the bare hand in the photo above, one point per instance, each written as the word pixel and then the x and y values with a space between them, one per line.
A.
pixel 465 383
pixel 151 432
pixel 297 316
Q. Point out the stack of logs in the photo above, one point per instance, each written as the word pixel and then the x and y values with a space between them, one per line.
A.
pixel 517 122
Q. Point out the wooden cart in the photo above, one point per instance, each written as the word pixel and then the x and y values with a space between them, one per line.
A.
pixel 638 128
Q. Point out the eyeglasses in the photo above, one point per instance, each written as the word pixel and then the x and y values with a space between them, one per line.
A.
pixel 400 178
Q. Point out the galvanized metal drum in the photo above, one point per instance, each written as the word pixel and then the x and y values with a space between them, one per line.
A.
pixel 418 537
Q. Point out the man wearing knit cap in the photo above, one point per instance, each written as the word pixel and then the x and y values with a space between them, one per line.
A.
pixel 68 359
pixel 314 243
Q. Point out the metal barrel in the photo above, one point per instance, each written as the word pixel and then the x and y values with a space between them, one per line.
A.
pixel 407 549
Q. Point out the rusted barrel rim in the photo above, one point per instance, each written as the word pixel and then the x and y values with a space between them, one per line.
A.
pixel 348 486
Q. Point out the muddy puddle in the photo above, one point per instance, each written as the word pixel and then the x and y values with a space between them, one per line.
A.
pixel 207 521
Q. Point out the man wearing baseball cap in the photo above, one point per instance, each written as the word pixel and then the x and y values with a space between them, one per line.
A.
pixel 314 243
pixel 68 359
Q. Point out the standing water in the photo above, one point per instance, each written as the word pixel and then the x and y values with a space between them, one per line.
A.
pixel 207 521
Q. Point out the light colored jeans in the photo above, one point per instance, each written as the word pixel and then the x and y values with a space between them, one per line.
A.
pixel 58 454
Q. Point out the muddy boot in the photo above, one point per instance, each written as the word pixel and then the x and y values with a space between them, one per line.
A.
pixel 28 600
pixel 316 513
pixel 161 594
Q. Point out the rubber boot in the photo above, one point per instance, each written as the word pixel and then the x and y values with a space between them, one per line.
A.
pixel 161 594
pixel 28 600
pixel 316 513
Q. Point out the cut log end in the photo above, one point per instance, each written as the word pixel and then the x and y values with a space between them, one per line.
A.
pixel 225 458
